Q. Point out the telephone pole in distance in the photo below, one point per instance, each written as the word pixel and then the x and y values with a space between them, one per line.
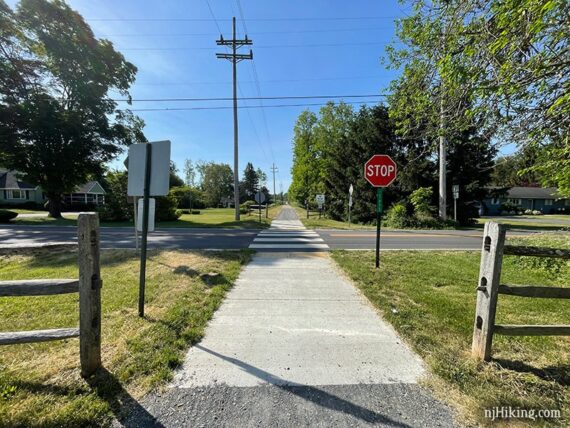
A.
pixel 274 169
pixel 234 58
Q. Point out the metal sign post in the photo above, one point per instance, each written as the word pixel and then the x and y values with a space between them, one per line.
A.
pixel 146 197
pixel 350 190
pixel 379 206
pixel 260 198
pixel 380 171
pixel 455 190
pixel 149 171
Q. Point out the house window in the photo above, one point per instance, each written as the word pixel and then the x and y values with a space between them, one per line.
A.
pixel 495 201
pixel 16 194
pixel 548 202
pixel 515 201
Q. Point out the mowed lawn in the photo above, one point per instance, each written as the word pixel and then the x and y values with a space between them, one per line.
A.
pixel 40 383
pixel 208 218
pixel 429 297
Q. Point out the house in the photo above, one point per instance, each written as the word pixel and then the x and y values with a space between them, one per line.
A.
pixel 543 199
pixel 14 191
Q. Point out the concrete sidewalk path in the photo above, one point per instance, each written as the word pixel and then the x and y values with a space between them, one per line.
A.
pixel 295 344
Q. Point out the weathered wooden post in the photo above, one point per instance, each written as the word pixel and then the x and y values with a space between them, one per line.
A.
pixel 89 293
pixel 488 289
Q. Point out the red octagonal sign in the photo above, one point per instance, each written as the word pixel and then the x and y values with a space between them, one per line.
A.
pixel 380 170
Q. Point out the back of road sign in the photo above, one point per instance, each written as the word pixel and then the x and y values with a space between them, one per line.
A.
pixel 160 168
pixel 151 214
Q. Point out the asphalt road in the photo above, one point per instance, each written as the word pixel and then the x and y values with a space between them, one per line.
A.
pixel 120 237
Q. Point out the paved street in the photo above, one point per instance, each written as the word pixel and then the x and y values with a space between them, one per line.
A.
pixel 295 344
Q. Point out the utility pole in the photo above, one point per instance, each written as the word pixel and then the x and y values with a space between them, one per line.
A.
pixel 274 169
pixel 234 58
pixel 442 162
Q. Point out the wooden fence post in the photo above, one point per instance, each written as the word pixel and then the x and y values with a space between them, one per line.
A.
pixel 488 289
pixel 89 293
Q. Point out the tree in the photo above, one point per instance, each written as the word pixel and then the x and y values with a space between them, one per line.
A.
pixel 58 123
pixel 250 181
pixel 175 180
pixel 515 169
pixel 509 60
pixel 116 206
pixel 189 173
pixel 217 182
pixel 304 171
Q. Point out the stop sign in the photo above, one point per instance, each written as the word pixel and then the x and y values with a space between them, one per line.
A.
pixel 380 170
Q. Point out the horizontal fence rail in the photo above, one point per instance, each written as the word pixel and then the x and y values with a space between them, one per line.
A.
pixel 15 337
pixel 489 288
pixel 38 287
pixel 513 250
pixel 89 288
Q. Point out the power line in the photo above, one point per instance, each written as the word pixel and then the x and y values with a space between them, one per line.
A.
pixel 343 18
pixel 258 87
pixel 203 48
pixel 250 106
pixel 255 32
pixel 286 97
pixel 311 79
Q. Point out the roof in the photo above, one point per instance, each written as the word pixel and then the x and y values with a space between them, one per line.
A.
pixel 518 192
pixel 90 187
pixel 9 180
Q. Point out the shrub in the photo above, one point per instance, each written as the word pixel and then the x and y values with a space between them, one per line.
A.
pixel 397 216
pixel 7 215
pixel 421 199
pixel 195 212
pixel 166 208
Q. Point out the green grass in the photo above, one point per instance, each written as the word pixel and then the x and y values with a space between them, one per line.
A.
pixel 40 383
pixel 208 218
pixel 25 211
pixel 429 297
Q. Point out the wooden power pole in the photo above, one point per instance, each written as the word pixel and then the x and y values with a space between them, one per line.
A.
pixel 234 58
pixel 274 169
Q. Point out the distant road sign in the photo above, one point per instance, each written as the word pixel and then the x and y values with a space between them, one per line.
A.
pixel 160 169
pixel 380 170
pixel 455 190
pixel 350 189
pixel 151 216
pixel 260 197
pixel 320 199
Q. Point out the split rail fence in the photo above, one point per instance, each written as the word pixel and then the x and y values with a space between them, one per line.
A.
pixel 489 288
pixel 89 288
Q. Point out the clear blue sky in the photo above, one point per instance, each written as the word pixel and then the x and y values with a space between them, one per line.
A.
pixel 301 47
pixel 176 58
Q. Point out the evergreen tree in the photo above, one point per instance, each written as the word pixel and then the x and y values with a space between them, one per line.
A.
pixel 250 181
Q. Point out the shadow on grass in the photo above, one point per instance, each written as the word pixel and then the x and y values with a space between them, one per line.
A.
pixel 558 374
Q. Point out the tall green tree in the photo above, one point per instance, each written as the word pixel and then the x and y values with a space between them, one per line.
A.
pixel 304 171
pixel 250 181
pixel 509 60
pixel 58 123
pixel 217 182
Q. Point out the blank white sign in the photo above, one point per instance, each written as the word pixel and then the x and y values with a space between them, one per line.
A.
pixel 151 211
pixel 160 169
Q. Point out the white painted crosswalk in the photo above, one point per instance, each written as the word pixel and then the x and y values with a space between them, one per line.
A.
pixel 289 235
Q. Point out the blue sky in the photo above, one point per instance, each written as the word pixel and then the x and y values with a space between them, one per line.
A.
pixel 176 58
pixel 301 47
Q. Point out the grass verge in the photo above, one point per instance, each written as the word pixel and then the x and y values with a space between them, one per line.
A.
pixel 537 223
pixel 40 383
pixel 208 218
pixel 429 297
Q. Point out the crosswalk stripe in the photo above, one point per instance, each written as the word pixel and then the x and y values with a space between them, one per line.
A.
pixel 288 235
